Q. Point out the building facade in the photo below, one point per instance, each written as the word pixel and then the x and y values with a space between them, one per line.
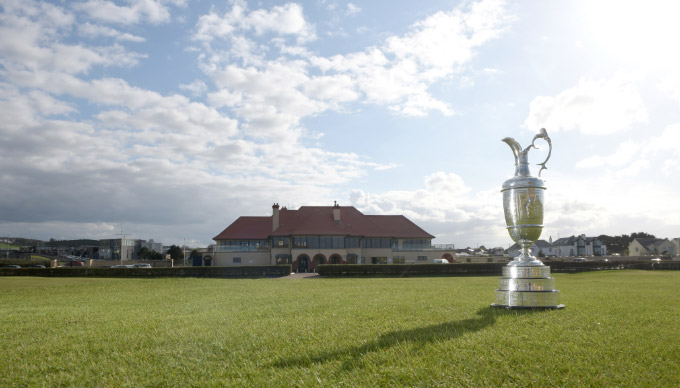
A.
pixel 578 246
pixel 109 249
pixel 651 246
pixel 150 245
pixel 313 235
pixel 539 248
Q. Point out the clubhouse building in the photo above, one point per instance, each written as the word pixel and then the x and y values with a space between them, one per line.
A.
pixel 313 235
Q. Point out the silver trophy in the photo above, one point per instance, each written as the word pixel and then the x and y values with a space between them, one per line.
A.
pixel 526 282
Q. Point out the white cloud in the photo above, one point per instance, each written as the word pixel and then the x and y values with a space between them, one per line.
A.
pixel 633 157
pixel 353 9
pixel 399 72
pixel 444 198
pixel 444 207
pixel 196 88
pixel 32 42
pixel 134 153
pixel 95 31
pixel 279 93
pixel 591 107
pixel 287 19
pixel 107 11
pixel 624 154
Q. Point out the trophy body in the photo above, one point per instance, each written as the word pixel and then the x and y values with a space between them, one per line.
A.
pixel 526 281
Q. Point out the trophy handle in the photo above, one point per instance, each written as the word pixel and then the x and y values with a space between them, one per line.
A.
pixel 543 134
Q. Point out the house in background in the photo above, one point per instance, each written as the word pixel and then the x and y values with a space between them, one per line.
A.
pixel 652 246
pixel 313 235
pixel 540 248
pixel 676 244
pixel 578 246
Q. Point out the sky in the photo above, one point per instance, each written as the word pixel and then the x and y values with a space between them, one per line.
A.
pixel 175 117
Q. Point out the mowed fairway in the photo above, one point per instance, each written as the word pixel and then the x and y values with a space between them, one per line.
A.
pixel 620 328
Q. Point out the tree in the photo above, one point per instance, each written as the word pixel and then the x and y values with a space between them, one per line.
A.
pixel 619 244
pixel 144 253
pixel 176 253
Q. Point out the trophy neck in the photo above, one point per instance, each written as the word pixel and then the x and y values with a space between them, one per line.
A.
pixel 522 166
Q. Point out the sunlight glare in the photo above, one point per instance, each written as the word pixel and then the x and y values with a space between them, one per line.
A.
pixel 644 33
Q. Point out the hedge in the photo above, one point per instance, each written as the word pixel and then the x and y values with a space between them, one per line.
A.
pixel 23 262
pixel 199 272
pixel 495 269
pixel 333 270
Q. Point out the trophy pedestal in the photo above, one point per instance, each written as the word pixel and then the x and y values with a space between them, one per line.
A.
pixel 527 287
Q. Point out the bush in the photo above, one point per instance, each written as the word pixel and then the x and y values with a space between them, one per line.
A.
pixel 198 272
pixel 35 260
pixel 409 269
pixel 495 269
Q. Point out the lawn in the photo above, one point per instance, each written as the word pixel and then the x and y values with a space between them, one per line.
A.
pixel 620 328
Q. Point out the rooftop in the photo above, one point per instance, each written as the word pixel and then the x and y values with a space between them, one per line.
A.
pixel 319 220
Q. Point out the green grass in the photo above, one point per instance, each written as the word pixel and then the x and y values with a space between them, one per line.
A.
pixel 5 246
pixel 619 329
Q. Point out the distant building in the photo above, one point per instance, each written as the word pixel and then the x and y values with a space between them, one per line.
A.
pixel 578 246
pixel 110 249
pixel 314 235
pixel 652 246
pixel 150 245
pixel 539 248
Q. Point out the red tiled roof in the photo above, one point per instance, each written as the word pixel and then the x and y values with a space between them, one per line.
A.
pixel 318 220
pixel 247 228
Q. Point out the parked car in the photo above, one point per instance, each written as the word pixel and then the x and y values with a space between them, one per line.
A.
pixel 141 265
pixel 579 259
pixel 656 260
pixel 36 266
pixel 11 266
pixel 440 261
pixel 121 266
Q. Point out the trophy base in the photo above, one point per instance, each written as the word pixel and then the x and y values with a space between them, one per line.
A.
pixel 527 287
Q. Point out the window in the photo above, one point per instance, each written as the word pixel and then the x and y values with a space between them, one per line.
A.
pixel 398 260
pixel 415 244
pixel 489 260
pixel 376 243
pixel 422 258
pixel 338 242
pixel 299 242
pixel 352 242
pixel 469 260
pixel 236 260
pixel 280 242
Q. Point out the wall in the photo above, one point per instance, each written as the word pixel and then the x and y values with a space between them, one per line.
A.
pixel 226 259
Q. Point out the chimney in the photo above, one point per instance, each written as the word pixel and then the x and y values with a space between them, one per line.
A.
pixel 275 216
pixel 336 211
